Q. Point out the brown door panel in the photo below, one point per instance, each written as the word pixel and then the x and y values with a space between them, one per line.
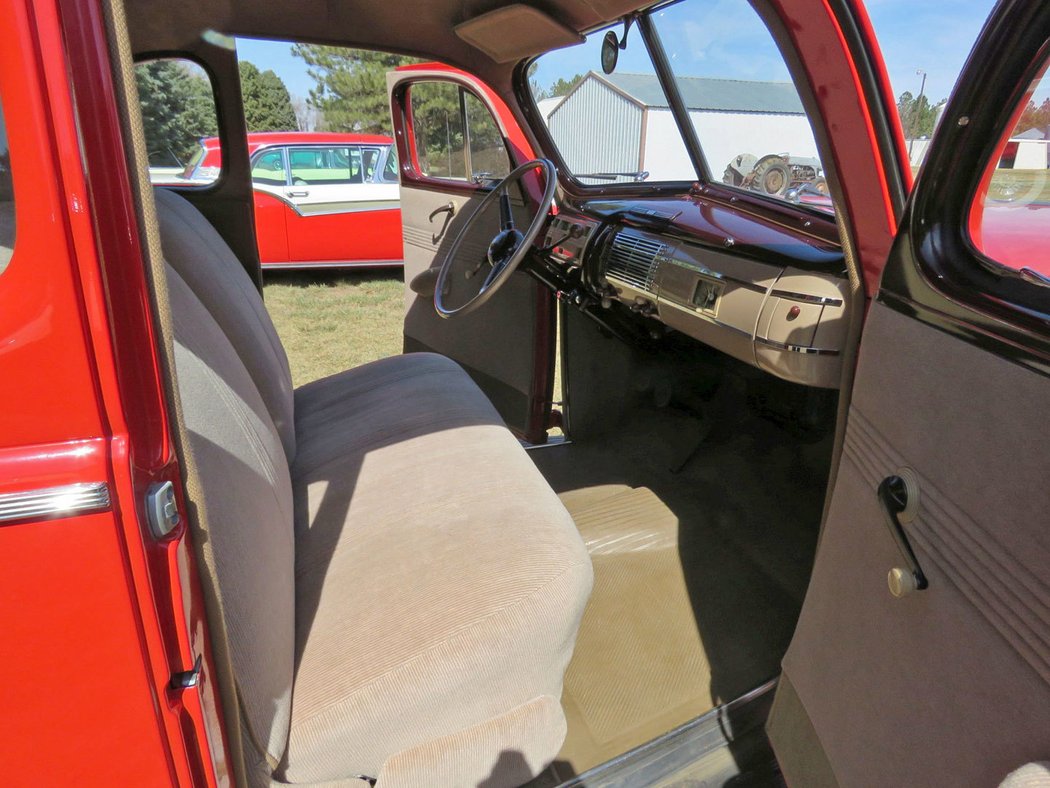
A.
pixel 949 685
pixel 495 344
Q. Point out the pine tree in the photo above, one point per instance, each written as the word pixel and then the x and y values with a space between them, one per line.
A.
pixel 267 104
pixel 178 109
pixel 351 86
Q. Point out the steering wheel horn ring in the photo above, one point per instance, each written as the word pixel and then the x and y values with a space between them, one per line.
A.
pixel 508 246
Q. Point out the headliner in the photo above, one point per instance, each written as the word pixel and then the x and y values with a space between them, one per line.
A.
pixel 163 26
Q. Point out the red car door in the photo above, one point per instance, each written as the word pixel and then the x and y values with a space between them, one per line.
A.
pixel 922 656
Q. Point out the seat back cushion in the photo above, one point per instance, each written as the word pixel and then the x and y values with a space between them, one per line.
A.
pixel 248 498
pixel 205 263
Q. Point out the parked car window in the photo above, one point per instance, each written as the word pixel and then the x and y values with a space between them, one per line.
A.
pixel 7 200
pixel 321 166
pixel 269 168
pixel 456 137
pixel 178 111
pixel 390 170
pixel 1010 216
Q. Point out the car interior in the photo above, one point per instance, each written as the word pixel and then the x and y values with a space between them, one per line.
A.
pixel 400 587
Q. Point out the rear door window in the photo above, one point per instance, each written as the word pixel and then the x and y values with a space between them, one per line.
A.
pixel 1010 215
pixel 324 165
pixel 178 116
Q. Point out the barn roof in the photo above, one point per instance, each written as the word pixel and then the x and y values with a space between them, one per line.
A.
pixel 705 93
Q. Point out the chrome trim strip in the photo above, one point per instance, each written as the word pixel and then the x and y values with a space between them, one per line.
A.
pixel 308 265
pixel 808 351
pixel 51 502
pixel 351 206
pixel 808 299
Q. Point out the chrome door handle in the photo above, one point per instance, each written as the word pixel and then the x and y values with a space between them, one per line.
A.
pixel 298 194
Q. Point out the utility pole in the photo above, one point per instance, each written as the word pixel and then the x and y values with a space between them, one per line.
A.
pixel 916 107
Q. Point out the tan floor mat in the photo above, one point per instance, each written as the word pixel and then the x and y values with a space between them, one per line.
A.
pixel 639 667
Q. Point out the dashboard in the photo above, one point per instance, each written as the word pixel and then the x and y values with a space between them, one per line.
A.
pixel 770 295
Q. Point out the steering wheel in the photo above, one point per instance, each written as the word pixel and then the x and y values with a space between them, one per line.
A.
pixel 464 283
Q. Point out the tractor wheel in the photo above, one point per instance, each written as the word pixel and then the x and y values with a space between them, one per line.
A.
pixel 771 176
pixel 821 185
pixel 732 177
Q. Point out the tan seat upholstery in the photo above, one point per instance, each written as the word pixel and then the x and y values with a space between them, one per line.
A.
pixel 403 587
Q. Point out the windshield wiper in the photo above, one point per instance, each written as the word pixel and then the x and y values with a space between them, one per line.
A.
pixel 637 177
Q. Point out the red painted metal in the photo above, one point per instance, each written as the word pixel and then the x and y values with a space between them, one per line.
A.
pixel 815 35
pixel 358 236
pixel 94 609
pixel 285 236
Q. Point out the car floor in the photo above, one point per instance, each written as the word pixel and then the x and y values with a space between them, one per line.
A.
pixel 699 574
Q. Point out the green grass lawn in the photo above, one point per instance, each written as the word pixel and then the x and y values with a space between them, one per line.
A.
pixel 330 321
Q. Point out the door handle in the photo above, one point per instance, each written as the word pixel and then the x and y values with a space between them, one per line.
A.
pixel 449 208
pixel 304 193
pixel 895 493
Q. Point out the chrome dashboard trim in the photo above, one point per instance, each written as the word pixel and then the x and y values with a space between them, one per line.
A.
pixel 52 502
pixel 808 351
pixel 805 298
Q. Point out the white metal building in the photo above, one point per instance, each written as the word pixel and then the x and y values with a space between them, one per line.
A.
pixel 637 131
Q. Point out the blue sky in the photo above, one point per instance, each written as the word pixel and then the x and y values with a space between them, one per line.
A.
pixel 723 38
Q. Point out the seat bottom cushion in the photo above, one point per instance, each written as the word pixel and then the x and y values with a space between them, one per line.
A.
pixel 439 580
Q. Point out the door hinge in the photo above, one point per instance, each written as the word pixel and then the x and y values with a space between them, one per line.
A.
pixel 162 510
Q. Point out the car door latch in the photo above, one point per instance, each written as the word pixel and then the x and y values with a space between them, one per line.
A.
pixel 187 679
pixel 898 497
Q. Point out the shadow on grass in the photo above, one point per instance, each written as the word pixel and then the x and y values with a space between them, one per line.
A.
pixel 333 277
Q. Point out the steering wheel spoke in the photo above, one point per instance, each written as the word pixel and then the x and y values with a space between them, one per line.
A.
pixel 505 251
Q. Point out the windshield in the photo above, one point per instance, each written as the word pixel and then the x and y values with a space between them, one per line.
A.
pixel 726 94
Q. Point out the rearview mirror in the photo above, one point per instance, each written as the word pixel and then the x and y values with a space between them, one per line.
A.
pixel 610 52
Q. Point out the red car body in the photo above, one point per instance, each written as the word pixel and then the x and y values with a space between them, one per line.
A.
pixel 357 227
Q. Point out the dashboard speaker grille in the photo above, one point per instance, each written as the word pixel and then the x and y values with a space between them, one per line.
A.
pixel 632 260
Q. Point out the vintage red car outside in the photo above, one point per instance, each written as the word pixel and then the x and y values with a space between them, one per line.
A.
pixel 322 200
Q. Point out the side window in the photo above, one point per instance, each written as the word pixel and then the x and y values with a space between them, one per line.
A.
pixel 1010 216
pixel 390 170
pixel 328 165
pixel 369 161
pixel 488 152
pixel 268 168
pixel 7 200
pixel 179 122
pixel 456 137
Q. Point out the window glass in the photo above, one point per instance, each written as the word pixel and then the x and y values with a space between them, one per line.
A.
pixel 390 171
pixel 269 168
pixel 748 117
pixel 370 160
pixel 1010 218
pixel 488 152
pixel 455 134
pixel 609 128
pixel 179 122
pixel 325 165
pixel 438 125
pixel 7 200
